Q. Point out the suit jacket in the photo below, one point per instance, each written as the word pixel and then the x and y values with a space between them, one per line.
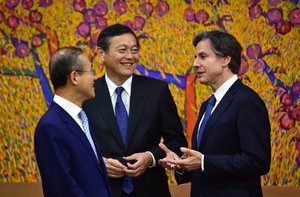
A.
pixel 235 144
pixel 66 160
pixel 153 114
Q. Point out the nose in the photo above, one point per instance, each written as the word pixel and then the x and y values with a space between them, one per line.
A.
pixel 196 63
pixel 129 55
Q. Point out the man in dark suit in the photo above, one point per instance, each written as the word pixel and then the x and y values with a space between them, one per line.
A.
pixel 130 148
pixel 68 157
pixel 231 140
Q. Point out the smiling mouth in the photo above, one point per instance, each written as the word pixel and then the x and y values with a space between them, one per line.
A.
pixel 128 65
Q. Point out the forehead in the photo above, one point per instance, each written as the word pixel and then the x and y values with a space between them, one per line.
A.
pixel 123 40
pixel 204 46
pixel 84 59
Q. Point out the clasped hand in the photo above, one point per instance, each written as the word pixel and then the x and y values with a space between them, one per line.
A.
pixel 136 165
pixel 190 161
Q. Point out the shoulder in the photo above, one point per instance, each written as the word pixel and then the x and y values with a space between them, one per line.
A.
pixel 248 95
pixel 153 82
pixel 51 119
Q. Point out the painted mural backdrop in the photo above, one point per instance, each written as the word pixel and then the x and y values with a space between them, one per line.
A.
pixel 32 30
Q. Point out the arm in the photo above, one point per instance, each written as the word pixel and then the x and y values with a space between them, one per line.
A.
pixel 52 154
pixel 172 130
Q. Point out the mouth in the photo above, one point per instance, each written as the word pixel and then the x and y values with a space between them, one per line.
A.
pixel 127 65
pixel 199 72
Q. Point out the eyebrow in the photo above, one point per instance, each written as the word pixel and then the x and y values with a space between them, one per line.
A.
pixel 124 45
pixel 201 53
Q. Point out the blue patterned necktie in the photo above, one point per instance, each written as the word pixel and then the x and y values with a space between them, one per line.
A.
pixel 122 120
pixel 86 129
pixel 209 107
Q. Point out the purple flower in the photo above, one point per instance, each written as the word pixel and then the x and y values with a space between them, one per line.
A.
pixel 45 3
pixel 189 14
pixel 138 23
pixel 22 50
pixel 12 22
pixel 147 8
pixel 89 16
pixel 101 22
pixel 101 8
pixel 79 5
pixel 162 8
pixel 84 29
pixel 255 11
pixel 35 16
pixel 128 24
pixel 201 16
pixel 27 4
pixel 12 3
pixel 120 7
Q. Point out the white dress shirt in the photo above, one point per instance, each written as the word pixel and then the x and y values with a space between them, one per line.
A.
pixel 72 109
pixel 125 97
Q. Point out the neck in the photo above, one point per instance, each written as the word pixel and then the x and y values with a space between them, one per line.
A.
pixel 69 95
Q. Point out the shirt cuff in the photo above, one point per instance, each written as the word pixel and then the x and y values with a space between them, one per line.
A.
pixel 153 160
pixel 202 163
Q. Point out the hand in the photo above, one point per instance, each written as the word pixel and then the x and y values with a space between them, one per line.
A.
pixel 191 162
pixel 171 156
pixel 115 169
pixel 141 162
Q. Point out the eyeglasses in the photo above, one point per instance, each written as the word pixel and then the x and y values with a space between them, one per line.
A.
pixel 93 71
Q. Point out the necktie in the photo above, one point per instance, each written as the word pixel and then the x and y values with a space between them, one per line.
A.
pixel 86 129
pixel 209 107
pixel 122 120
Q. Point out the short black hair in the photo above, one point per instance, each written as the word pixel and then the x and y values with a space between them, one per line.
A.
pixel 62 63
pixel 223 44
pixel 112 31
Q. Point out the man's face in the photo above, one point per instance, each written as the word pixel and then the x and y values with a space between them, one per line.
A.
pixel 87 78
pixel 121 58
pixel 209 67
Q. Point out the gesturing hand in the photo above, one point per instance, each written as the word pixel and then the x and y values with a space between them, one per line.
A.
pixel 170 156
pixel 192 160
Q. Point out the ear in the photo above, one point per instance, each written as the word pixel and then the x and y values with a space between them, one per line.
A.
pixel 226 60
pixel 100 54
pixel 73 78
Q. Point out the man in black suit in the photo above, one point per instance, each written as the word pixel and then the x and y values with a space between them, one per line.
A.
pixel 130 148
pixel 231 140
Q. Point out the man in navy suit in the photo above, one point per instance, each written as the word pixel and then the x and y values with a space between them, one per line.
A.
pixel 131 160
pixel 232 149
pixel 68 157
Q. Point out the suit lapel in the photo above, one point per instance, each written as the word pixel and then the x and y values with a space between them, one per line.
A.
pixel 104 105
pixel 77 131
pixel 137 99
pixel 220 109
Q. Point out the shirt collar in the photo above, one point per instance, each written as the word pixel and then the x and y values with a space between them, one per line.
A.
pixel 68 106
pixel 112 86
pixel 221 91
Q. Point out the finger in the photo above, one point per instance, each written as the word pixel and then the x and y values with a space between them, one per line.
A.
pixel 130 157
pixel 164 148
pixel 181 162
pixel 115 174
pixel 130 172
pixel 188 151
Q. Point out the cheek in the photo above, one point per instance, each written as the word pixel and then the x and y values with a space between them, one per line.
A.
pixel 136 56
